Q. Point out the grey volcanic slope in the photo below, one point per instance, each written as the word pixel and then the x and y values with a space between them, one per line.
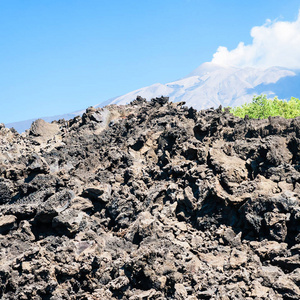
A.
pixel 152 200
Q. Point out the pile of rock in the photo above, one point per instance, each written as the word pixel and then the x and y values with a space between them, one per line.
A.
pixel 152 200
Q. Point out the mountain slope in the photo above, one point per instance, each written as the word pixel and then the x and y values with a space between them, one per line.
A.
pixel 211 85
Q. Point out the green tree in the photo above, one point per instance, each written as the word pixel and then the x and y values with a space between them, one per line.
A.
pixel 262 108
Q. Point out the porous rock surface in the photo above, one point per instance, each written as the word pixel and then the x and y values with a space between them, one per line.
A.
pixel 152 200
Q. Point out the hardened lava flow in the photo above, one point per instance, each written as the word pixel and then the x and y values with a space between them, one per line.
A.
pixel 152 200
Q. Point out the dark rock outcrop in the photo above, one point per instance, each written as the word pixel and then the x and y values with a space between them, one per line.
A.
pixel 152 200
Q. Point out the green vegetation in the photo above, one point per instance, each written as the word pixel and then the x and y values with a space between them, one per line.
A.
pixel 262 108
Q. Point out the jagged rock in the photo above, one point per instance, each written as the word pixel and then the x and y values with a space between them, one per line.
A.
pixel 288 263
pixel 151 200
pixel 230 237
pixel 54 205
pixel 238 258
pixel 270 249
pixel 69 222
pixel 37 164
pixel 180 291
pixel 295 276
pixel 287 287
pixel 79 203
pixel 43 129
pixel 259 290
pixel 6 223
pixel 99 193
pixel 5 192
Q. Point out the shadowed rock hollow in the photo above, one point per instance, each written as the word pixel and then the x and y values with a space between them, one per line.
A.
pixel 152 200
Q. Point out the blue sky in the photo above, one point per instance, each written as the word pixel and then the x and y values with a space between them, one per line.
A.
pixel 59 56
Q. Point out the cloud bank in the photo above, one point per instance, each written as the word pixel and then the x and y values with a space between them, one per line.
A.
pixel 274 44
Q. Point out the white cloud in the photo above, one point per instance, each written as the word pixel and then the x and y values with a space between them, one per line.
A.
pixel 274 44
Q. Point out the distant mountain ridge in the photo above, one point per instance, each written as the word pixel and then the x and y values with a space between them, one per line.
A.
pixel 209 85
pixel 24 125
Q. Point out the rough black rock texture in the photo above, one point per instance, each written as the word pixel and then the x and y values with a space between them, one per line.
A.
pixel 152 200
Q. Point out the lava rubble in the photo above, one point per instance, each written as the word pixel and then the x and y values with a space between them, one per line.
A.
pixel 152 200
